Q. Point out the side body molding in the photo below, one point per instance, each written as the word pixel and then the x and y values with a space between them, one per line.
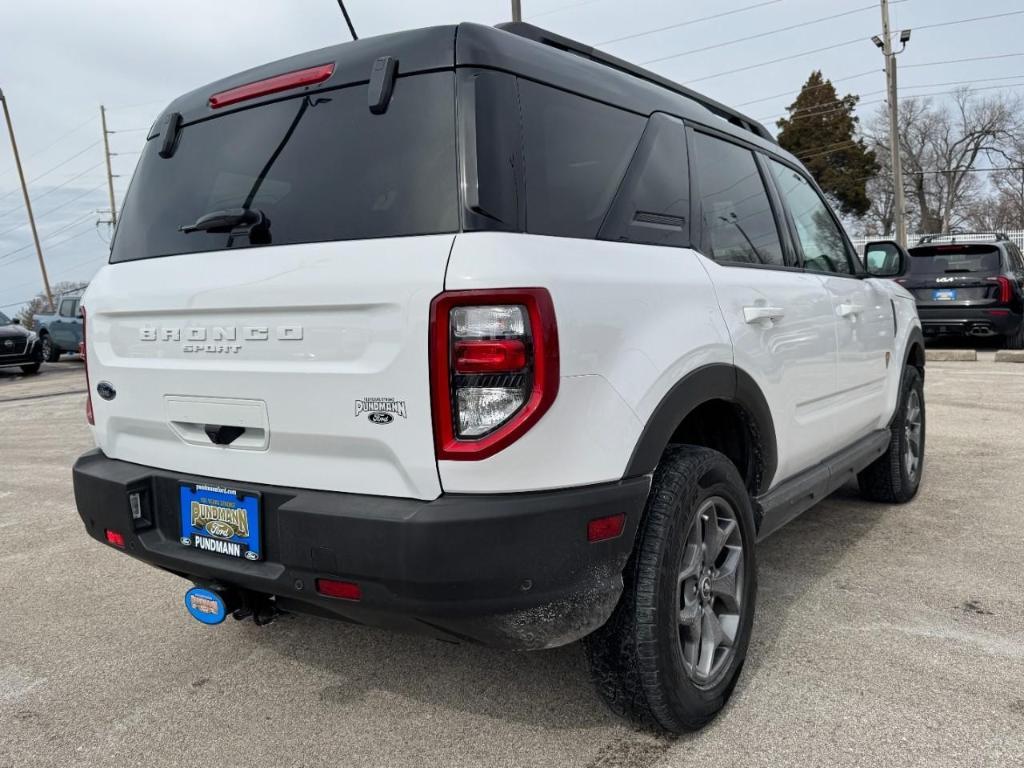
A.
pixel 711 382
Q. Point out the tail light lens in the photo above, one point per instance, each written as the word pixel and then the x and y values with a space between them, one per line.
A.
pixel 494 368
pixel 1005 288
pixel 89 416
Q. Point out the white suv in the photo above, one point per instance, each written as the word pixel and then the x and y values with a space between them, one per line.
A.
pixel 484 334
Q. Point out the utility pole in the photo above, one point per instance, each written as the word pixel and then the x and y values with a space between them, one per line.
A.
pixel 110 172
pixel 899 203
pixel 517 10
pixel 28 202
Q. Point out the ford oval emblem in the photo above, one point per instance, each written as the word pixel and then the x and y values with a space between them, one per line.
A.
pixel 220 529
pixel 380 418
pixel 106 390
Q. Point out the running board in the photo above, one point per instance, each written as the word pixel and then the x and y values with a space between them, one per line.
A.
pixel 798 494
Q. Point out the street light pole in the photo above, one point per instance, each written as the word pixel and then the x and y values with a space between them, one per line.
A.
pixel 899 203
pixel 517 10
pixel 28 202
pixel 110 172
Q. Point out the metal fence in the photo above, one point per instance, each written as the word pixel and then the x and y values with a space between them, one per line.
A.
pixel 1016 236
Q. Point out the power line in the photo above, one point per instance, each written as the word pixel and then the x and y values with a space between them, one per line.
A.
pixel 961 61
pixel 64 183
pixel 843 44
pixel 836 102
pixel 26 247
pixel 54 143
pixel 812 88
pixel 689 22
pixel 767 33
pixel 967 21
pixel 54 168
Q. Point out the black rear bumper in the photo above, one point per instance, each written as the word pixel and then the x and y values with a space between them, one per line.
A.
pixel 509 570
pixel 957 320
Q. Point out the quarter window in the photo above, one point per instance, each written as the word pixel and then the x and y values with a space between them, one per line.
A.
pixel 737 217
pixel 821 239
pixel 577 151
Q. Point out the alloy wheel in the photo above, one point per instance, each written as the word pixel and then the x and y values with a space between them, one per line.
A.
pixel 710 591
pixel 913 427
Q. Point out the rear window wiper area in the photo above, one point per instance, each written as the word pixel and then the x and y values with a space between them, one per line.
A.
pixel 233 221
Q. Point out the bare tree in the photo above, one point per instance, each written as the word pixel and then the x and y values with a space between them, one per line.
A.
pixel 942 147
pixel 40 304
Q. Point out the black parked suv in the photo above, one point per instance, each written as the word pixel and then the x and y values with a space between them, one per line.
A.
pixel 19 346
pixel 968 288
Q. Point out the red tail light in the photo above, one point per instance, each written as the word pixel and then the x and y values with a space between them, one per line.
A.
pixel 89 415
pixel 275 84
pixel 1005 288
pixel 493 368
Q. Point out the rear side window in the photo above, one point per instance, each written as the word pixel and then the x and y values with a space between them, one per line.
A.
pixel 955 259
pixel 652 205
pixel 738 223
pixel 821 239
pixel 320 168
pixel 576 152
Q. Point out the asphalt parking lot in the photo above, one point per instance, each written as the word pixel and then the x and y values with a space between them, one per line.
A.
pixel 884 635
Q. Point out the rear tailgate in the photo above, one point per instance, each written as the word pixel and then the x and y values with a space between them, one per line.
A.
pixel 962 275
pixel 309 330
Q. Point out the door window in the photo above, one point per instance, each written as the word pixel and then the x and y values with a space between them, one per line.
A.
pixel 68 307
pixel 737 218
pixel 821 239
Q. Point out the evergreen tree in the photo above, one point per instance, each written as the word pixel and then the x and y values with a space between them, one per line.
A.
pixel 821 130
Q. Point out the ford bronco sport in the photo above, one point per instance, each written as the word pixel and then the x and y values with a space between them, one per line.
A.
pixel 484 334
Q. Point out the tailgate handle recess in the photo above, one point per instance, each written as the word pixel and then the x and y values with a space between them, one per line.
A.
pixel 221 434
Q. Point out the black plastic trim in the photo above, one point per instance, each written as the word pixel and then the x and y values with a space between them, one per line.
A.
pixel 801 492
pixel 717 381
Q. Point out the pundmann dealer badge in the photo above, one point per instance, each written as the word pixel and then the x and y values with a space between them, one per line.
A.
pixel 381 410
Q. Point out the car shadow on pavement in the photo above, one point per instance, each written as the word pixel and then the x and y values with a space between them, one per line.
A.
pixel 551 689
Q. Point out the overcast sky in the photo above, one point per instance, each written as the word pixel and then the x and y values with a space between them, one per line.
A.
pixel 60 59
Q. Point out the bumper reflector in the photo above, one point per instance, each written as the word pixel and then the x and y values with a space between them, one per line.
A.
pixel 345 590
pixel 115 538
pixel 604 528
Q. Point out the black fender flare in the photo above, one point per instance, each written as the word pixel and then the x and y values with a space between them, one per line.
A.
pixel 717 381
pixel 914 339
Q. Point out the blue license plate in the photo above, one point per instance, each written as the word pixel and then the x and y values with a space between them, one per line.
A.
pixel 221 520
pixel 944 294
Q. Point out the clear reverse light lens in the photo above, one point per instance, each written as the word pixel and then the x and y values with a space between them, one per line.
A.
pixel 487 322
pixel 481 409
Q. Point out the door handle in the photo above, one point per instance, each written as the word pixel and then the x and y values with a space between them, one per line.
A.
pixel 846 310
pixel 756 314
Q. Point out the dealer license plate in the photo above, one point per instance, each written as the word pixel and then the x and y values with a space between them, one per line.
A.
pixel 221 520
pixel 944 294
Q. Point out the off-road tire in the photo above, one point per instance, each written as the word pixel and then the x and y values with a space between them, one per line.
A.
pixel 889 479
pixel 637 658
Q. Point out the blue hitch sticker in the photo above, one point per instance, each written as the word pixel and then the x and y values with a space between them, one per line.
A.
pixel 205 605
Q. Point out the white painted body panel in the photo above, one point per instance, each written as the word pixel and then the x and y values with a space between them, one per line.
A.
pixel 632 321
pixel 791 359
pixel 363 309
pixel 864 335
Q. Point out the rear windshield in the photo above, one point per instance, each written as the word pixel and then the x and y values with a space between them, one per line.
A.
pixel 953 259
pixel 319 168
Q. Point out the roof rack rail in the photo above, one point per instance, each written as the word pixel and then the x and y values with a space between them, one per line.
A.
pixel 538 35
pixel 969 237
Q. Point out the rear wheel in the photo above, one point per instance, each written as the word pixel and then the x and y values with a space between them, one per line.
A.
pixel 672 651
pixel 1015 340
pixel 895 477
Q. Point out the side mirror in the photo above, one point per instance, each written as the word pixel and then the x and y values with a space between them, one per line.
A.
pixel 15 321
pixel 885 258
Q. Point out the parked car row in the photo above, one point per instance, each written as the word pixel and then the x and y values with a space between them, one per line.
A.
pixel 53 335
pixel 967 285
